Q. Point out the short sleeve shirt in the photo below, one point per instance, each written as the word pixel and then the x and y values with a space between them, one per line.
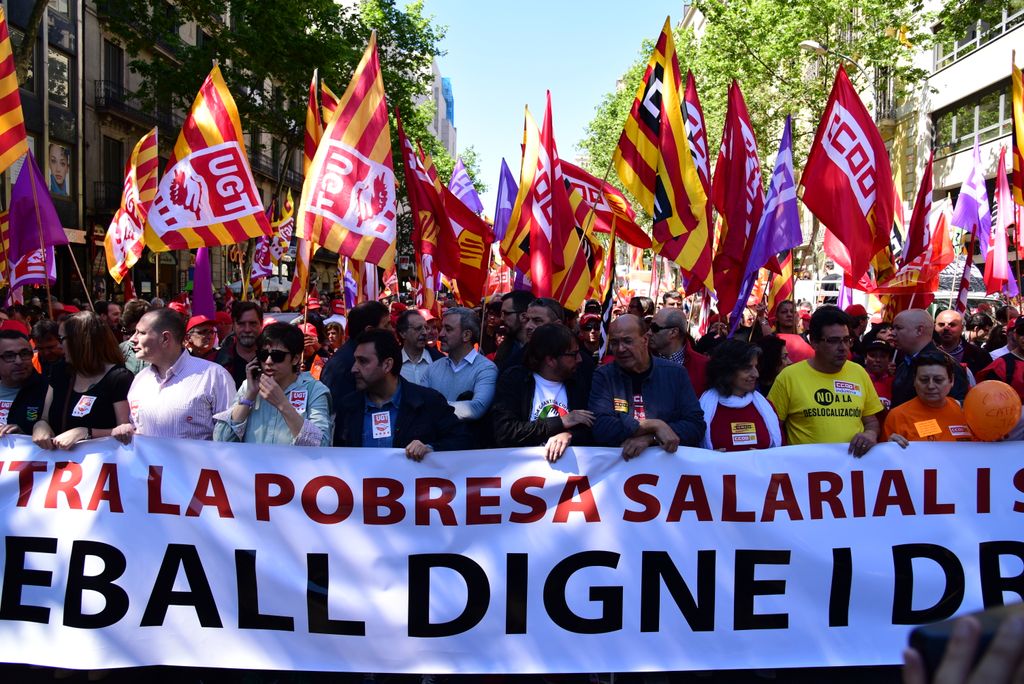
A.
pixel 93 408
pixel 920 423
pixel 822 408
pixel 549 399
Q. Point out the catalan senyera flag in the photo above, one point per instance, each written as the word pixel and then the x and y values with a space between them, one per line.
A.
pixel 780 287
pixel 515 245
pixel 300 276
pixel 5 247
pixel 1017 107
pixel 348 201
pixel 207 195
pixel 426 217
pixel 13 141
pixel 654 162
pixel 580 254
pixel 314 127
pixel 328 100
pixel 125 238
pixel 305 249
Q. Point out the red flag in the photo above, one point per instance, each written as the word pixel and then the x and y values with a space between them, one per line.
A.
pixel 919 233
pixel 920 275
pixel 609 206
pixel 474 238
pixel 847 181
pixel 738 196
pixel 997 267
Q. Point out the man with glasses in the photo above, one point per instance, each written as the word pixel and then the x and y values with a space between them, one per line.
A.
pixel 669 341
pixel 201 338
pixel 22 390
pixel 247 318
pixel 913 330
pixel 416 355
pixel 49 350
pixel 639 401
pixel 828 398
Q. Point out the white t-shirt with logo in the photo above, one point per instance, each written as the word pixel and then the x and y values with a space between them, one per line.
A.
pixel 550 399
pixel 7 397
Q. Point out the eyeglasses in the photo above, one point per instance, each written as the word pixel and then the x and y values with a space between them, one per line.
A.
pixel 275 355
pixel 202 333
pixel 838 341
pixel 9 357
pixel 591 327
pixel 655 328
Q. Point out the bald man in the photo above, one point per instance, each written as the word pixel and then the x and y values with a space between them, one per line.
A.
pixel 640 401
pixel 949 328
pixel 913 336
pixel 668 340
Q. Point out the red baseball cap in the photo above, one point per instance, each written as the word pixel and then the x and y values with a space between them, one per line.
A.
pixel 308 329
pixel 313 302
pixel 587 318
pixel 223 317
pixel 856 310
pixel 71 309
pixel 11 324
pixel 173 306
pixel 338 307
pixel 197 321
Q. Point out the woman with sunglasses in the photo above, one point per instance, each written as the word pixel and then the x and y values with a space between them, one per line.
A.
pixel 278 403
pixel 91 398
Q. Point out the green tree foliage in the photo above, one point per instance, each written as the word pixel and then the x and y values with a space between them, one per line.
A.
pixel 758 43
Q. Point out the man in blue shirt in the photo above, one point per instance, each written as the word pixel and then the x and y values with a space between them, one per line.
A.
pixel 387 411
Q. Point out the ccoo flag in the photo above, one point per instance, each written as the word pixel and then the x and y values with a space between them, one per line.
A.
pixel 778 229
pixel 207 195
pixel 847 181
pixel 125 238
pixel 654 162
pixel 461 186
pixel 348 201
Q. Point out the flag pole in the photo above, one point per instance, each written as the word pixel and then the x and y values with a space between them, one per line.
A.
pixel 42 246
pixel 78 269
pixel 156 285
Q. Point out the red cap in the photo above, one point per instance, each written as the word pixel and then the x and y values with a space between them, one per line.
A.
pixel 313 302
pixel 805 316
pixel 338 307
pixel 308 329
pixel 587 318
pixel 427 316
pixel 18 326
pixel 198 320
pixel 856 310
pixel 223 317
pixel 173 306
pixel 71 309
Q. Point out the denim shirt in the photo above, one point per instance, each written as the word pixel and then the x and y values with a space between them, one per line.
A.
pixel 266 425
pixel 391 406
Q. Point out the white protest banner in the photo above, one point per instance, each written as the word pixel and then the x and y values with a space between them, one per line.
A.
pixel 271 557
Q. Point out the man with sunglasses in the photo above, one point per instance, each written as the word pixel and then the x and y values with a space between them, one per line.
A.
pixel 513 310
pixel 828 398
pixel 669 341
pixel 22 390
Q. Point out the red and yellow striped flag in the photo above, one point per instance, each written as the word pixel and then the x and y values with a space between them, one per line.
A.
pixel 654 162
pixel 125 238
pixel 582 258
pixel 348 198
pixel 305 249
pixel 1017 107
pixel 781 285
pixel 5 247
pixel 207 195
pixel 13 143
pixel 514 248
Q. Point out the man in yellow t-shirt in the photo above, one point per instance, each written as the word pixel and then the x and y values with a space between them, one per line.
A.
pixel 828 398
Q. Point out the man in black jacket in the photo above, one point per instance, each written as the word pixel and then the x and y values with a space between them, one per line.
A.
pixel 337 372
pixel 22 390
pixel 913 329
pixel 387 412
pixel 542 402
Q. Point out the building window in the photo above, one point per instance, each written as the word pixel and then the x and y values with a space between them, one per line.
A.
pixel 61 6
pixel 113 65
pixel 113 160
pixel 980 34
pixel 59 79
pixel 986 113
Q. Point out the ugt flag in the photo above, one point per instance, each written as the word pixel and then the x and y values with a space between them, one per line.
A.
pixel 125 238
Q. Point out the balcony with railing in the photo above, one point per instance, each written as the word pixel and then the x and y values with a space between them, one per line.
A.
pixel 979 35
pixel 114 98
pixel 106 196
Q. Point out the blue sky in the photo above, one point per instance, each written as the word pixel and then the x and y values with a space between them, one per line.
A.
pixel 504 55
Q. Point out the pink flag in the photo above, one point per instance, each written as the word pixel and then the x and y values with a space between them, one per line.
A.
pixel 997 267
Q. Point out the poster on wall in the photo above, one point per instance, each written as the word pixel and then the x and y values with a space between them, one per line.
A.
pixel 59 170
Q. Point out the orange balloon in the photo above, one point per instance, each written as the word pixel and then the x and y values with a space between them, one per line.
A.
pixel 991 409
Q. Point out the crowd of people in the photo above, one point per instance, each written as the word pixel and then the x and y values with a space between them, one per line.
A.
pixel 525 373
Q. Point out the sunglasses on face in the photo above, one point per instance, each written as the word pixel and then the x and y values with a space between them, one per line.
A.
pixel 655 328
pixel 591 327
pixel 275 355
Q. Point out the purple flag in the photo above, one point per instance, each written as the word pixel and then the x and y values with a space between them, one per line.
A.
pixel 351 288
pixel 202 286
pixel 507 191
pixel 461 186
pixel 845 299
pixel 779 227
pixel 34 221
pixel 972 213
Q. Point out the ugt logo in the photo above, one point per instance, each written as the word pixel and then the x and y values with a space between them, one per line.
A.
pixel 355 192
pixel 211 185
pixel 824 397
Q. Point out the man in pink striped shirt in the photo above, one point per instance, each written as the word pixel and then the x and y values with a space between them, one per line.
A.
pixel 178 394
